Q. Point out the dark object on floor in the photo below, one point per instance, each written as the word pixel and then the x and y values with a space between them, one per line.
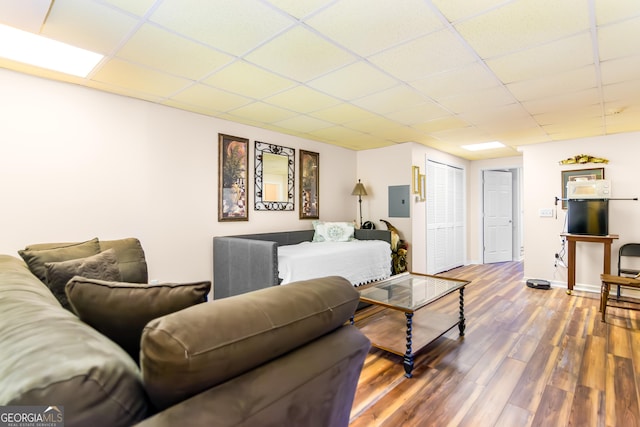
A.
pixel 538 284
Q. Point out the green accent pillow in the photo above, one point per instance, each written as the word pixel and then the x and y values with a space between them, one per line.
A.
pixel 121 310
pixel 103 266
pixel 36 259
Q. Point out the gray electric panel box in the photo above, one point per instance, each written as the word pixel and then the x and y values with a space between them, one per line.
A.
pixel 399 201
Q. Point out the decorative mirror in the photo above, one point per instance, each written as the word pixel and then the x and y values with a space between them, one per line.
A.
pixel 274 177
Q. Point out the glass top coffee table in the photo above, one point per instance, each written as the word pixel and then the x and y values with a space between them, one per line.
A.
pixel 410 294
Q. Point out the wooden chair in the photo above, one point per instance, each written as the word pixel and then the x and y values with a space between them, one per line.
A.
pixel 620 281
pixel 626 266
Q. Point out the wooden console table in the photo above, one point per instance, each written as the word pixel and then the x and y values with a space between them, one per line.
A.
pixel 572 239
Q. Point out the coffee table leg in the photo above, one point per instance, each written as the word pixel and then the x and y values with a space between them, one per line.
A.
pixel 408 356
pixel 461 324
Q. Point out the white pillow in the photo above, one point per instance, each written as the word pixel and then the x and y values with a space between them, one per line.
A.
pixel 333 231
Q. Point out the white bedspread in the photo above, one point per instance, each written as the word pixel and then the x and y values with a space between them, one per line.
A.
pixel 358 261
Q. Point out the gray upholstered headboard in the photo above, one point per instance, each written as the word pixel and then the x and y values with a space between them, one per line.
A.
pixel 248 262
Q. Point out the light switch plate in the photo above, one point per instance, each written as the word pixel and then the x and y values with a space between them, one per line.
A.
pixel 546 213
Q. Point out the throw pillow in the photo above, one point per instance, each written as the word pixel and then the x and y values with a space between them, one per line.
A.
pixel 333 231
pixel 102 266
pixel 36 259
pixel 121 310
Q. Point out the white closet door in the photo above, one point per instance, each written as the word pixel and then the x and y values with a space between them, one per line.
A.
pixel 445 217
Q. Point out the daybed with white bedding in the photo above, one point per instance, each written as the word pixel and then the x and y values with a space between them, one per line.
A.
pixel 244 263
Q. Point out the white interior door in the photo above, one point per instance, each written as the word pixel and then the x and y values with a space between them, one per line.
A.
pixel 498 216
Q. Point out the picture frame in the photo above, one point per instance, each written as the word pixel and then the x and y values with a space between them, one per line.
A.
pixel 578 175
pixel 233 168
pixel 309 185
pixel 422 187
pixel 415 179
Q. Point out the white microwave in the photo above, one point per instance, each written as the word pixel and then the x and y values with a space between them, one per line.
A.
pixel 589 189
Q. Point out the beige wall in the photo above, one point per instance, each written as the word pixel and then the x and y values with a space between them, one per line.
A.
pixel 542 183
pixel 76 163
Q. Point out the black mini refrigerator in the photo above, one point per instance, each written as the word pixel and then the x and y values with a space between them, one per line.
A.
pixel 588 216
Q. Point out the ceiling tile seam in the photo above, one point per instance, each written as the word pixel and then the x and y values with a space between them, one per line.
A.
pixel 451 28
pixel 303 18
pixel 140 21
pixel 596 59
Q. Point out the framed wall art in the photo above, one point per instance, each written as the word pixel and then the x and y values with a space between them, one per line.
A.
pixel 274 172
pixel 309 185
pixel 415 179
pixel 233 167
pixel 578 175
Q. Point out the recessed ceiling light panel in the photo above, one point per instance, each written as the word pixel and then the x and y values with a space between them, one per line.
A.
pixel 29 48
pixel 483 146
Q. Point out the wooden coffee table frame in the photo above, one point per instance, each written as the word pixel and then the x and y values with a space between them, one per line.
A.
pixel 406 331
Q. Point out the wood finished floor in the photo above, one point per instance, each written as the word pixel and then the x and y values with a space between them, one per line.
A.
pixel 529 357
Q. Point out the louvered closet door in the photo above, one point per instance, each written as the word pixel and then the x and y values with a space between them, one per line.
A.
pixel 445 217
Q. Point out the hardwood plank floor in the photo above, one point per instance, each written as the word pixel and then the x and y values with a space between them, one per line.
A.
pixel 529 357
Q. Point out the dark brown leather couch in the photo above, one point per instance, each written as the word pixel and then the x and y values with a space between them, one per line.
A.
pixel 284 355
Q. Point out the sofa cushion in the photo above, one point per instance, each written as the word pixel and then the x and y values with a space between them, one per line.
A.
pixel 121 310
pixel 102 266
pixel 131 258
pixel 191 350
pixel 36 258
pixel 50 357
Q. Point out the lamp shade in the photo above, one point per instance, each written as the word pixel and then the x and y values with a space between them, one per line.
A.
pixel 359 190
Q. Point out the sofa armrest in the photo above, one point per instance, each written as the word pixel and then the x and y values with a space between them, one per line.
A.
pixel 312 386
pixel 243 265
pixel 197 348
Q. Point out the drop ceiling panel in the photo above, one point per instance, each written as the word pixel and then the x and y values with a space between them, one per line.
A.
pixel 491 97
pixel 157 48
pixel 211 98
pixel 303 123
pixel 563 102
pixel 566 82
pixel 27 15
pixel 401 134
pixel 523 24
pixel 353 81
pixel 234 27
pixel 89 25
pixel 456 82
pixel 343 113
pixel 394 99
pixel 336 133
pixel 372 125
pixel 569 115
pixel 138 7
pixel 302 99
pixel 370 26
pixel 546 60
pixel 620 70
pixel 456 10
pixel 438 125
pixel 622 92
pixel 608 11
pixel 300 55
pixel 248 80
pixel 618 40
pixel 299 9
pixel 263 113
pixel 139 79
pixel 419 114
pixel 437 52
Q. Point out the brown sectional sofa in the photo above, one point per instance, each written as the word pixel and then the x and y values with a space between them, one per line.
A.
pixel 285 355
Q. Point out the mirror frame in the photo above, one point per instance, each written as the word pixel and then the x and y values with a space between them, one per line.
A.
pixel 266 205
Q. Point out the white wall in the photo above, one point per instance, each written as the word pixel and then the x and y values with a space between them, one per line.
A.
pixel 77 163
pixel 384 167
pixel 542 183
